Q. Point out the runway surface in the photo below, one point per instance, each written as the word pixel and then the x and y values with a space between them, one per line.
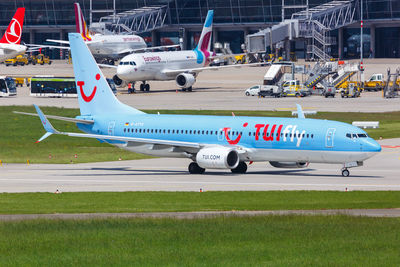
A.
pixel 202 214
pixel 382 172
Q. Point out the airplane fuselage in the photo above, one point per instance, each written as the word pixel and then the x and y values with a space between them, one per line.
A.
pixel 11 50
pixel 113 46
pixel 263 138
pixel 155 66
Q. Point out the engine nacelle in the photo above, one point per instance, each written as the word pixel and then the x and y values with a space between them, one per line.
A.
pixel 185 80
pixel 217 158
pixel 289 165
pixel 118 81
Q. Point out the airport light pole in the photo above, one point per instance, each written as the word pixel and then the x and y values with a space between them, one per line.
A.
pixel 362 42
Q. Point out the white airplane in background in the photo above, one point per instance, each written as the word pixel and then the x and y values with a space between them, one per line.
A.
pixel 106 48
pixel 10 45
pixel 181 66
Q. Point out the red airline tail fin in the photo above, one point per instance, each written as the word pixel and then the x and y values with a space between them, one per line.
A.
pixel 14 30
pixel 81 26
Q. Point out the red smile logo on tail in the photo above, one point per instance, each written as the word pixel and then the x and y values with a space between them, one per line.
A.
pixel 85 97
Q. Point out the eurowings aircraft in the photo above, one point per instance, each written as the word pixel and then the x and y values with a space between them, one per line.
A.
pixel 10 45
pixel 181 66
pixel 212 142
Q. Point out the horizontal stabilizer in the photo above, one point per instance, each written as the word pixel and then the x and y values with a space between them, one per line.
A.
pixel 58 118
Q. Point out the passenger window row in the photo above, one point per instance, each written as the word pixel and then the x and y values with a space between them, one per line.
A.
pixel 208 132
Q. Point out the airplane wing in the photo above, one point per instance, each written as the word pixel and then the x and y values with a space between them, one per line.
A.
pixel 107 66
pixel 34 47
pixel 58 41
pixel 177 71
pixel 67 42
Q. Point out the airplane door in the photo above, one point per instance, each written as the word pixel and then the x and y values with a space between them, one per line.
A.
pixel 221 135
pixel 111 126
pixel 330 134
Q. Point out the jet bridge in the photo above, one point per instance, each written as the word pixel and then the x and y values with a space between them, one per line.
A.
pixel 312 25
pixel 134 21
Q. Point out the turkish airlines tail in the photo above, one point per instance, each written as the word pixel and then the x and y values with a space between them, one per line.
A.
pixel 81 26
pixel 14 30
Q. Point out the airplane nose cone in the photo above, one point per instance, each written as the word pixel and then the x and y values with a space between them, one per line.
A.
pixel 123 72
pixel 372 146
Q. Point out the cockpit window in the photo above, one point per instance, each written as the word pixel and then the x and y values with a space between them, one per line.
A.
pixel 132 63
pixel 349 135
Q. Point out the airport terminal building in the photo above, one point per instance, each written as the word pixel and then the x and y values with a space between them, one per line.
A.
pixel 162 22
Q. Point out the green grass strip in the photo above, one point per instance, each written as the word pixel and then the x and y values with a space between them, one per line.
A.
pixel 221 241
pixel 90 202
pixel 19 133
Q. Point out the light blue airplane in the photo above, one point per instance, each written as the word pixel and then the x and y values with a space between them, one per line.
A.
pixel 212 142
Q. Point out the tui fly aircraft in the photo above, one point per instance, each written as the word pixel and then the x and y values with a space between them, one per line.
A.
pixel 212 142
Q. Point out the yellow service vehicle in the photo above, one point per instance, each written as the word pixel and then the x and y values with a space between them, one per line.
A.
pixel 18 60
pixel 42 59
pixel 375 83
pixel 294 88
pixel 353 90
pixel 240 59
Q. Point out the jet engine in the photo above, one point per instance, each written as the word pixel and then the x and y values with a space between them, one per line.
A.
pixel 185 80
pixel 118 82
pixel 289 165
pixel 217 158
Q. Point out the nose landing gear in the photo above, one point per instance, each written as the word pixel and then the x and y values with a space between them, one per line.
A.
pixel 348 165
pixel 145 86
pixel 345 172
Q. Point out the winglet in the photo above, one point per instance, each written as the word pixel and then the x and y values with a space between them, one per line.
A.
pixel 300 113
pixel 46 125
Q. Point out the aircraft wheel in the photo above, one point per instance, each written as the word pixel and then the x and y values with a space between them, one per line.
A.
pixel 183 89
pixel 147 87
pixel 194 168
pixel 241 168
pixel 190 89
pixel 345 173
pixel 142 87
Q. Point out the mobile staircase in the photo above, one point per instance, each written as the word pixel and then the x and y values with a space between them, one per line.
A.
pixel 391 88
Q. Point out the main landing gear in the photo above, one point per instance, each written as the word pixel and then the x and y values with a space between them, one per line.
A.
pixel 189 89
pixel 194 168
pixel 145 86
pixel 241 168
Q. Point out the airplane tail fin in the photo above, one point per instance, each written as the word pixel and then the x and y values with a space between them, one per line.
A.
pixel 80 22
pixel 94 94
pixel 14 30
pixel 204 44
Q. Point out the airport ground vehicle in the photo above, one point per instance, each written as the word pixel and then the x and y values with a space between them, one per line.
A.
pixel 264 90
pixel 18 60
pixel 375 83
pixel 254 90
pixel 42 59
pixel 294 88
pixel 7 86
pixel 58 86
pixel 353 90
